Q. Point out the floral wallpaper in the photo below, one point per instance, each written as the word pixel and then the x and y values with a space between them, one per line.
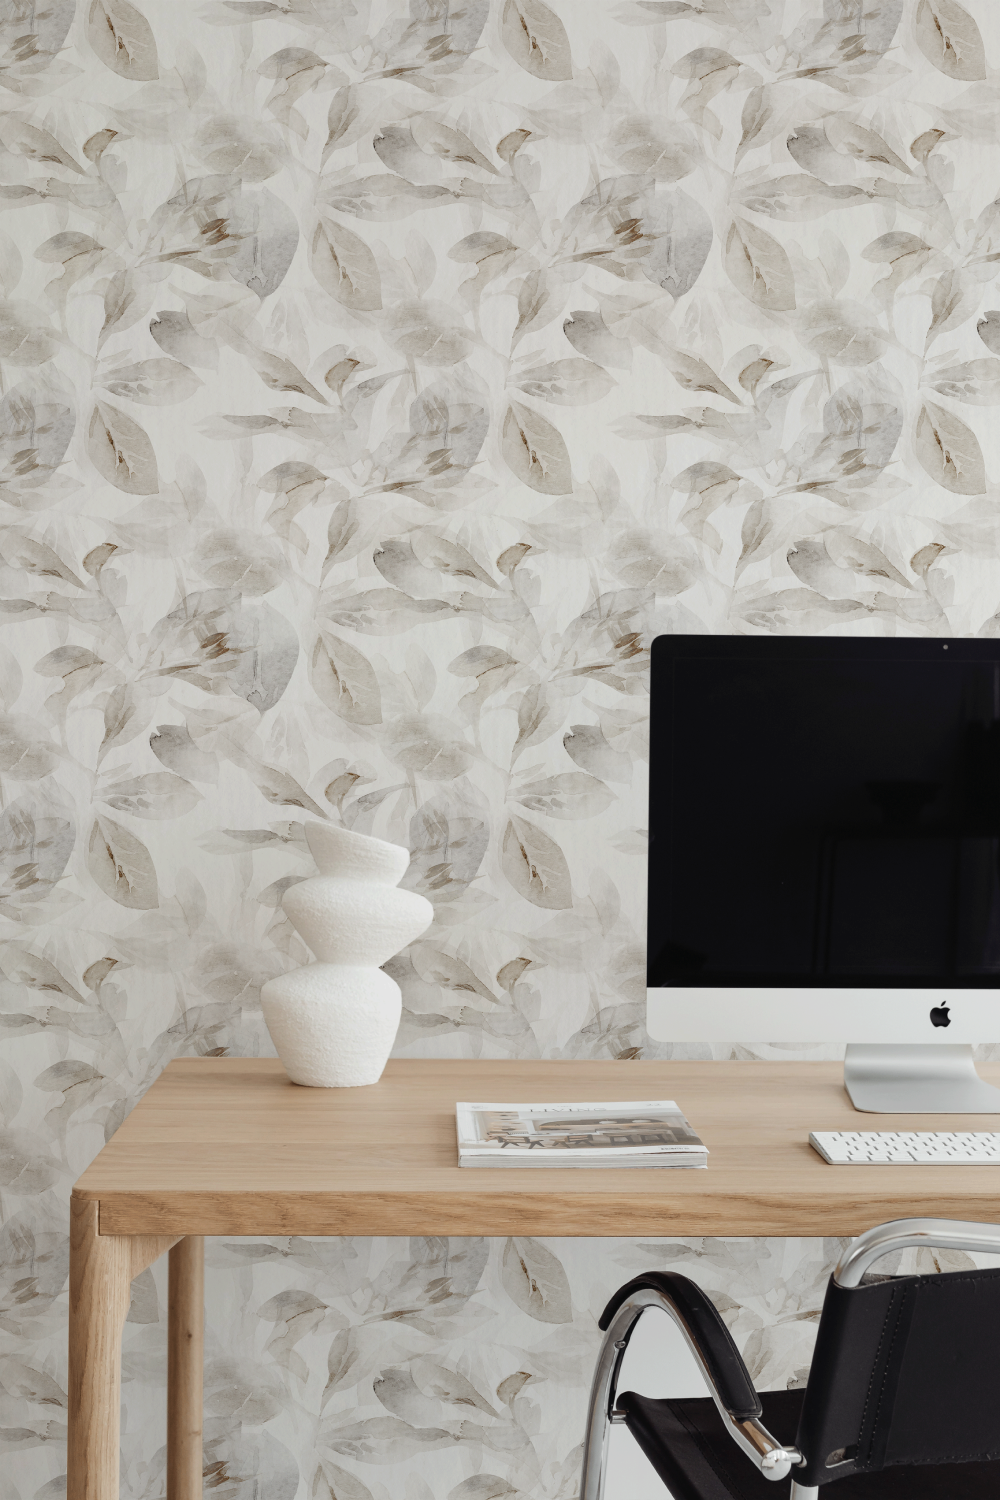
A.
pixel 378 376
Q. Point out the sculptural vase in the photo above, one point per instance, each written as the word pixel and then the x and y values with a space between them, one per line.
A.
pixel 333 1022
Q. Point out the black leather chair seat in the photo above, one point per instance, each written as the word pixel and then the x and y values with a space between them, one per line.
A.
pixel 691 1451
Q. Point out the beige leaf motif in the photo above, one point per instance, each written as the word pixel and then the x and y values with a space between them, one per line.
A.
pixel 95 145
pixel 950 39
pixel 428 330
pixel 695 375
pixel 567 382
pixel 758 528
pixel 450 145
pixel 861 557
pixel 709 71
pixel 924 144
pixel 757 111
pixel 477 247
pixel 119 305
pixel 428 744
pixel 759 268
pixel 864 145
pixel 536 866
pixel 535 452
pixel 157 794
pixel 572 794
pixel 25 336
pixel 949 451
pixel 121 451
pixel 511 144
pixel 590 335
pixel 988 329
pixel 25 752
pixel 536 39
pixel 925 557
pixel 534 303
pixel 799 196
pixel 121 865
pixel 844 332
pixel 38 145
pixel 345 267
pixel 344 121
pixel 948 303
pixel 153 382
pixel 345 680
pixel 122 39
pixel 977 382
pixel 535 1281
pixel 176 335
pixel 641 143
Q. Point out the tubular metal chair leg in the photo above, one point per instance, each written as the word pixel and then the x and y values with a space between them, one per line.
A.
pixel 603 1391
pixel 804 1492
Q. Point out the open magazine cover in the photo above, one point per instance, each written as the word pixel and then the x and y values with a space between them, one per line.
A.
pixel 624 1133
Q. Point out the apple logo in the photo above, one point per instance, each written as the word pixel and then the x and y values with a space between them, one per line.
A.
pixel 940 1016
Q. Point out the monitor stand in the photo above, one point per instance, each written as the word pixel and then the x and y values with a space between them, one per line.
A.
pixel 921 1079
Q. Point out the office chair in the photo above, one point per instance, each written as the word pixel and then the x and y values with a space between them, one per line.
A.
pixel 902 1401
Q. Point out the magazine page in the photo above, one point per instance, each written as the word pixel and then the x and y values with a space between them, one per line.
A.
pixel 621 1128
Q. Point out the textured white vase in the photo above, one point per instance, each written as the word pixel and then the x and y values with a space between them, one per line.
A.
pixel 334 1022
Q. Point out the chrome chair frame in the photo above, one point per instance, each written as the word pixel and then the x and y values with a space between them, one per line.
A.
pixel 774 1460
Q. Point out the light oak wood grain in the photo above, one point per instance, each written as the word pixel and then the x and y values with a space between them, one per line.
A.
pixel 144 1249
pixel 185 1359
pixel 230 1146
pixel 100 1275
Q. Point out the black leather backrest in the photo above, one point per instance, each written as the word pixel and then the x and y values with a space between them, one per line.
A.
pixel 905 1371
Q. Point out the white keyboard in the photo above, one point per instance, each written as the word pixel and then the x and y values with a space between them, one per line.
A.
pixel 930 1148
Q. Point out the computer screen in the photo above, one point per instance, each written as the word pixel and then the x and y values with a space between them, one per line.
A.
pixel 824 813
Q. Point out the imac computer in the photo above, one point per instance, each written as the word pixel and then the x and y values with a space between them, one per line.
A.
pixel 824 858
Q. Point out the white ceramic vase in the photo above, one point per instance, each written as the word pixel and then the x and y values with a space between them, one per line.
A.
pixel 334 1022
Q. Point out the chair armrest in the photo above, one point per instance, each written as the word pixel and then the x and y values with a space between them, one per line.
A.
pixel 706 1332
pixel 708 1339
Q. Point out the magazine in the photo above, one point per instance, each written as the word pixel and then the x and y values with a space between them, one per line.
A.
pixel 629 1133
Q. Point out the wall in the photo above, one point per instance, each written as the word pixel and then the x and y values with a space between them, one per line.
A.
pixel 376 381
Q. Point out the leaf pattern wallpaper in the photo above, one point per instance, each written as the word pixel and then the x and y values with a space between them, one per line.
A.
pixel 378 377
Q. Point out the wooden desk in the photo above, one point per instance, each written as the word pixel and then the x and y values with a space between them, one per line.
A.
pixel 228 1146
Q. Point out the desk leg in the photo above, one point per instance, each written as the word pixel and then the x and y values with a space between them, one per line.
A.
pixel 185 1356
pixel 100 1277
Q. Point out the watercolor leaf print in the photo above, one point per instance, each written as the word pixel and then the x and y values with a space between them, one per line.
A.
pixel 535 1281
pixel 26 753
pixel 573 794
pixel 157 794
pixel 757 112
pixel 536 866
pixel 176 336
pixel 536 39
pixel 345 680
pixel 121 865
pixel 759 267
pixel 377 383
pixel 977 382
pixel 121 451
pixel 949 451
pixel 535 452
pixel 566 382
pixel 152 382
pixel 345 267
pixel 950 39
pixel 121 37
pixel 587 331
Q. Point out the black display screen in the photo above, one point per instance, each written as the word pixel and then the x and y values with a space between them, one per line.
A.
pixel 824 812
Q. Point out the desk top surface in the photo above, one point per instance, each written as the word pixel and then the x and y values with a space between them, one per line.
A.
pixel 229 1146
